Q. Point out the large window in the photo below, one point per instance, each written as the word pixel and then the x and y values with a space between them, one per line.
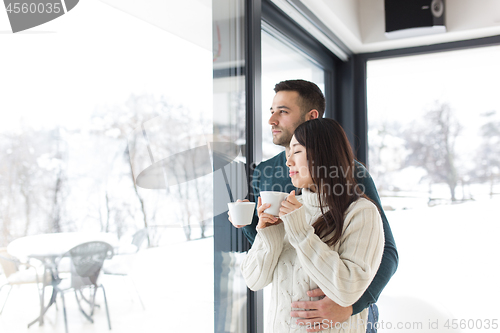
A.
pixel 434 138
pixel 281 61
pixel 73 93
pixel 231 132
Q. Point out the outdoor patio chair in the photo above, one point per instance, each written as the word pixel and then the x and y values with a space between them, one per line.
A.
pixel 14 276
pixel 122 262
pixel 86 264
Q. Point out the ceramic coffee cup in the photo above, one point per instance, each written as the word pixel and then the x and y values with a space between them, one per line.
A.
pixel 241 212
pixel 273 198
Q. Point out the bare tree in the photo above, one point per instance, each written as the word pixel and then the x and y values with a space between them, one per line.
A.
pixel 122 122
pixel 115 123
pixel 58 188
pixel 186 168
pixel 431 145
pixel 387 153
pixel 488 156
pixel 7 194
pixel 33 183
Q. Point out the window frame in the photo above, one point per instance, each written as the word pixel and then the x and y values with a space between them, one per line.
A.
pixel 261 13
pixel 280 26
pixel 345 90
pixel 360 62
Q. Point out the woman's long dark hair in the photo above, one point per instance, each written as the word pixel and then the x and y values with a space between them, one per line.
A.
pixel 331 165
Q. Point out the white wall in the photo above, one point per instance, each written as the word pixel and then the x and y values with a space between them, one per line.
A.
pixel 360 24
pixel 341 16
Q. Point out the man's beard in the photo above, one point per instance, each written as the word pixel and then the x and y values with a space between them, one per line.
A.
pixel 286 136
pixel 283 139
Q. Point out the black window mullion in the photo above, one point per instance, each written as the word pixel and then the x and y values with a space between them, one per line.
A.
pixel 253 69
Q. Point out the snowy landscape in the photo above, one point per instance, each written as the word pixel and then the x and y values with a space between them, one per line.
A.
pixel 446 271
pixel 65 165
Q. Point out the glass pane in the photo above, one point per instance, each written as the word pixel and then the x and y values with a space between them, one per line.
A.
pixel 230 181
pixel 91 103
pixel 434 139
pixel 282 61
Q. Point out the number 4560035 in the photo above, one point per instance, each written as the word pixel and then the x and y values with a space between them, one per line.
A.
pixel 23 7
pixel 472 324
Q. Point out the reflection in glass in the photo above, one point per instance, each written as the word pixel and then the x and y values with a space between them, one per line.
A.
pixel 230 183
pixel 65 162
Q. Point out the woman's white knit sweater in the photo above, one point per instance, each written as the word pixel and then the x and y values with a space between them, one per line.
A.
pixel 296 260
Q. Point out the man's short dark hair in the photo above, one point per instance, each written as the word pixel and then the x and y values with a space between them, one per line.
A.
pixel 310 95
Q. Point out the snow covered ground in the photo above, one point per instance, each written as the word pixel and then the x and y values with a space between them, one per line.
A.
pixel 175 283
pixel 448 264
pixel 448 269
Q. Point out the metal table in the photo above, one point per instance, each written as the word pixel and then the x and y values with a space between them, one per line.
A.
pixel 47 248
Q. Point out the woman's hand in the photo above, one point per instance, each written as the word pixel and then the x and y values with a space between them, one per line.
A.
pixel 290 204
pixel 265 220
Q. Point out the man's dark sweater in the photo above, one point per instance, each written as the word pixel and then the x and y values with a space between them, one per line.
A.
pixel 272 175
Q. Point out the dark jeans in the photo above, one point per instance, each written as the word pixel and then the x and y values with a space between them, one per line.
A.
pixel 372 319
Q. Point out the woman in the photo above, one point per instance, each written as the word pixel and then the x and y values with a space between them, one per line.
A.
pixel 330 237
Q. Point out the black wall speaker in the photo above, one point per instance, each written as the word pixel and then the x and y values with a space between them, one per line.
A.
pixel 406 18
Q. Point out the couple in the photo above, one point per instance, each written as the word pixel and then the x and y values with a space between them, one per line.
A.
pixel 326 246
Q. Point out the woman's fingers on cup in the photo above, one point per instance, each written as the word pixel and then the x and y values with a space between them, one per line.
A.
pixel 262 208
pixel 269 218
pixel 289 205
pixel 283 211
pixel 266 220
pixel 291 197
pixel 286 204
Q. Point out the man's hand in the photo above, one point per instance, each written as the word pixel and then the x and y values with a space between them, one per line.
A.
pixel 321 313
pixel 229 215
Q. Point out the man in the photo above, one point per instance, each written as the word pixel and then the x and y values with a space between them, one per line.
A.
pixel 295 102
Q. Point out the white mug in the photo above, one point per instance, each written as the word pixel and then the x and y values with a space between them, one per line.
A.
pixel 241 212
pixel 273 198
